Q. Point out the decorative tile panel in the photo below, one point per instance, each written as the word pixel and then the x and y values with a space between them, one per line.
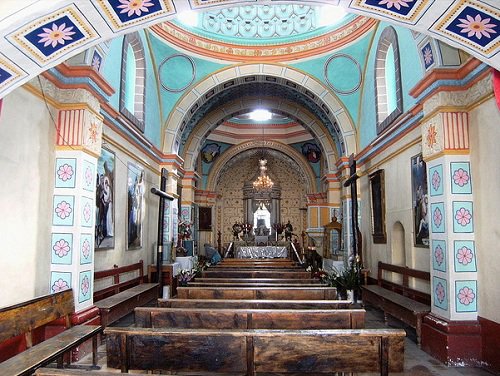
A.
pixel 88 206
pixel 84 286
pixel 461 182
pixel 9 73
pixel 122 14
pixel 60 281
pixel 473 23
pixel 463 217
pixel 53 35
pixel 61 248
pixel 432 136
pixel 96 62
pixel 89 175
pixel 440 291
pixel 86 249
pixel 465 256
pixel 427 54
pixel 65 173
pixel 438 217
pixel 63 210
pixel 466 296
pixel 439 258
pixel 407 11
pixel 436 180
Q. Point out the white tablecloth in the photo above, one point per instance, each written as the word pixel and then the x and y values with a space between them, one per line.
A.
pixel 261 252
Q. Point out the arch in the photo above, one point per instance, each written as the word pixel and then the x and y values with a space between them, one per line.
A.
pixel 388 92
pixel 133 80
pixel 233 151
pixel 321 96
pixel 198 136
pixel 398 251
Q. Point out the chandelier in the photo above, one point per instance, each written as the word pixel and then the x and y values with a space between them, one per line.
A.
pixel 263 182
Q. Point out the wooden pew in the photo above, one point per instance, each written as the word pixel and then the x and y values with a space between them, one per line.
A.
pixel 255 304
pixel 76 372
pixel 252 352
pixel 399 300
pixel 210 318
pixel 307 281
pixel 277 293
pixel 220 273
pixel 25 317
pixel 126 291
pixel 276 283
pixel 256 267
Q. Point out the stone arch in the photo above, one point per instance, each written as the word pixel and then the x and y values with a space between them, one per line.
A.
pixel 285 149
pixel 198 135
pixel 315 90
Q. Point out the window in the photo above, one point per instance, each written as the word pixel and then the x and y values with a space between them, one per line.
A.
pixel 378 206
pixel 133 73
pixel 388 96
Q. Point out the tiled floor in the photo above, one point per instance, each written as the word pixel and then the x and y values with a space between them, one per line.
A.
pixel 417 362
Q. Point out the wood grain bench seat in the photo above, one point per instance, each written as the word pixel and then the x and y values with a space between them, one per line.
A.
pixel 25 317
pixel 277 283
pixel 253 352
pixel 220 273
pixel 76 372
pixel 126 291
pixel 255 304
pixel 306 281
pixel 278 293
pixel 399 301
pixel 211 318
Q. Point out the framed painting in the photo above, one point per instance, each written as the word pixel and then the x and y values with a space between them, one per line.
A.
pixel 135 205
pixel 205 218
pixel 105 193
pixel 377 192
pixel 420 201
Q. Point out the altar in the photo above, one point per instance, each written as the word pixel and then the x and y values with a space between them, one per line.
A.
pixel 261 252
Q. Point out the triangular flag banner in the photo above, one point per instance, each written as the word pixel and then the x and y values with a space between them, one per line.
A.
pixel 496 85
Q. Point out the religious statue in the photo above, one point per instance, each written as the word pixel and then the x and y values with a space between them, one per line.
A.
pixel 288 231
pixel 236 231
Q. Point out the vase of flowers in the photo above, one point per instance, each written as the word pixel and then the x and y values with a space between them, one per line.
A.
pixel 185 276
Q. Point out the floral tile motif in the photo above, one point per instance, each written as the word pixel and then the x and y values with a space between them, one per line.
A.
pixel 428 55
pixel 84 287
pixel 436 180
pixel 89 175
pixel 461 181
pixel 440 293
pixel 96 62
pixel 463 217
pixel 60 281
pixel 121 14
pixel 433 137
pixel 65 172
pixel 408 11
pixel 9 73
pixel 437 217
pixel 63 210
pixel 62 249
pixel 471 22
pixel 86 249
pixel 466 296
pixel 53 35
pixel 465 256
pixel 88 206
pixel 439 255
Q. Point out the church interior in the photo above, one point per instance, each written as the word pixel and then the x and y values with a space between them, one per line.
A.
pixel 328 134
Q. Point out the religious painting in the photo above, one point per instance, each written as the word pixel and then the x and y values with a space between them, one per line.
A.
pixel 105 194
pixel 377 192
pixel 312 152
pixel 210 152
pixel 135 206
pixel 420 201
pixel 205 218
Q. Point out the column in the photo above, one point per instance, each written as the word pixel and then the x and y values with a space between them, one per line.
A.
pixel 451 332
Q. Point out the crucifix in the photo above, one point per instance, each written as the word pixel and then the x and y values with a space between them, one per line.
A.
pixel 351 181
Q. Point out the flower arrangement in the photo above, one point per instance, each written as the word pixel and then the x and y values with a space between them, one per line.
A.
pixel 185 276
pixel 184 230
pixel 279 227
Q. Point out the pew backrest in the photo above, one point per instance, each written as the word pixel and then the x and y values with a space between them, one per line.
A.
pixel 255 304
pixel 277 293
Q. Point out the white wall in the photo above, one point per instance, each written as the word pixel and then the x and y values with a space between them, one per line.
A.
pixel 485 170
pixel 27 135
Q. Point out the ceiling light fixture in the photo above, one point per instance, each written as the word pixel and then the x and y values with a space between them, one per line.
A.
pixel 260 115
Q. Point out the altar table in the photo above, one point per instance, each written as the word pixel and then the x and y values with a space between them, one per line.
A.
pixel 261 252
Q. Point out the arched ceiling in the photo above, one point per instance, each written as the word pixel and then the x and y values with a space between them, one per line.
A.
pixel 39 34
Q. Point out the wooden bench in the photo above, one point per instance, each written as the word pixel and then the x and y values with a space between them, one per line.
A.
pixel 126 291
pixel 305 281
pixel 251 352
pixel 210 318
pixel 76 372
pixel 399 300
pixel 255 304
pixel 276 293
pixel 275 283
pixel 220 273
pixel 25 317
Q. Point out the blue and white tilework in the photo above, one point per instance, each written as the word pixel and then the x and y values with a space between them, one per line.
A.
pixel 86 248
pixel 440 293
pixel 465 256
pixel 439 256
pixel 463 221
pixel 438 217
pixel 84 286
pixel 436 180
pixel 61 248
pixel 466 296
pixel 65 173
pixel 461 181
pixel 63 210
pixel 60 281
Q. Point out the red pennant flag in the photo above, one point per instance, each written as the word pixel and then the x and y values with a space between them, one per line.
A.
pixel 496 85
